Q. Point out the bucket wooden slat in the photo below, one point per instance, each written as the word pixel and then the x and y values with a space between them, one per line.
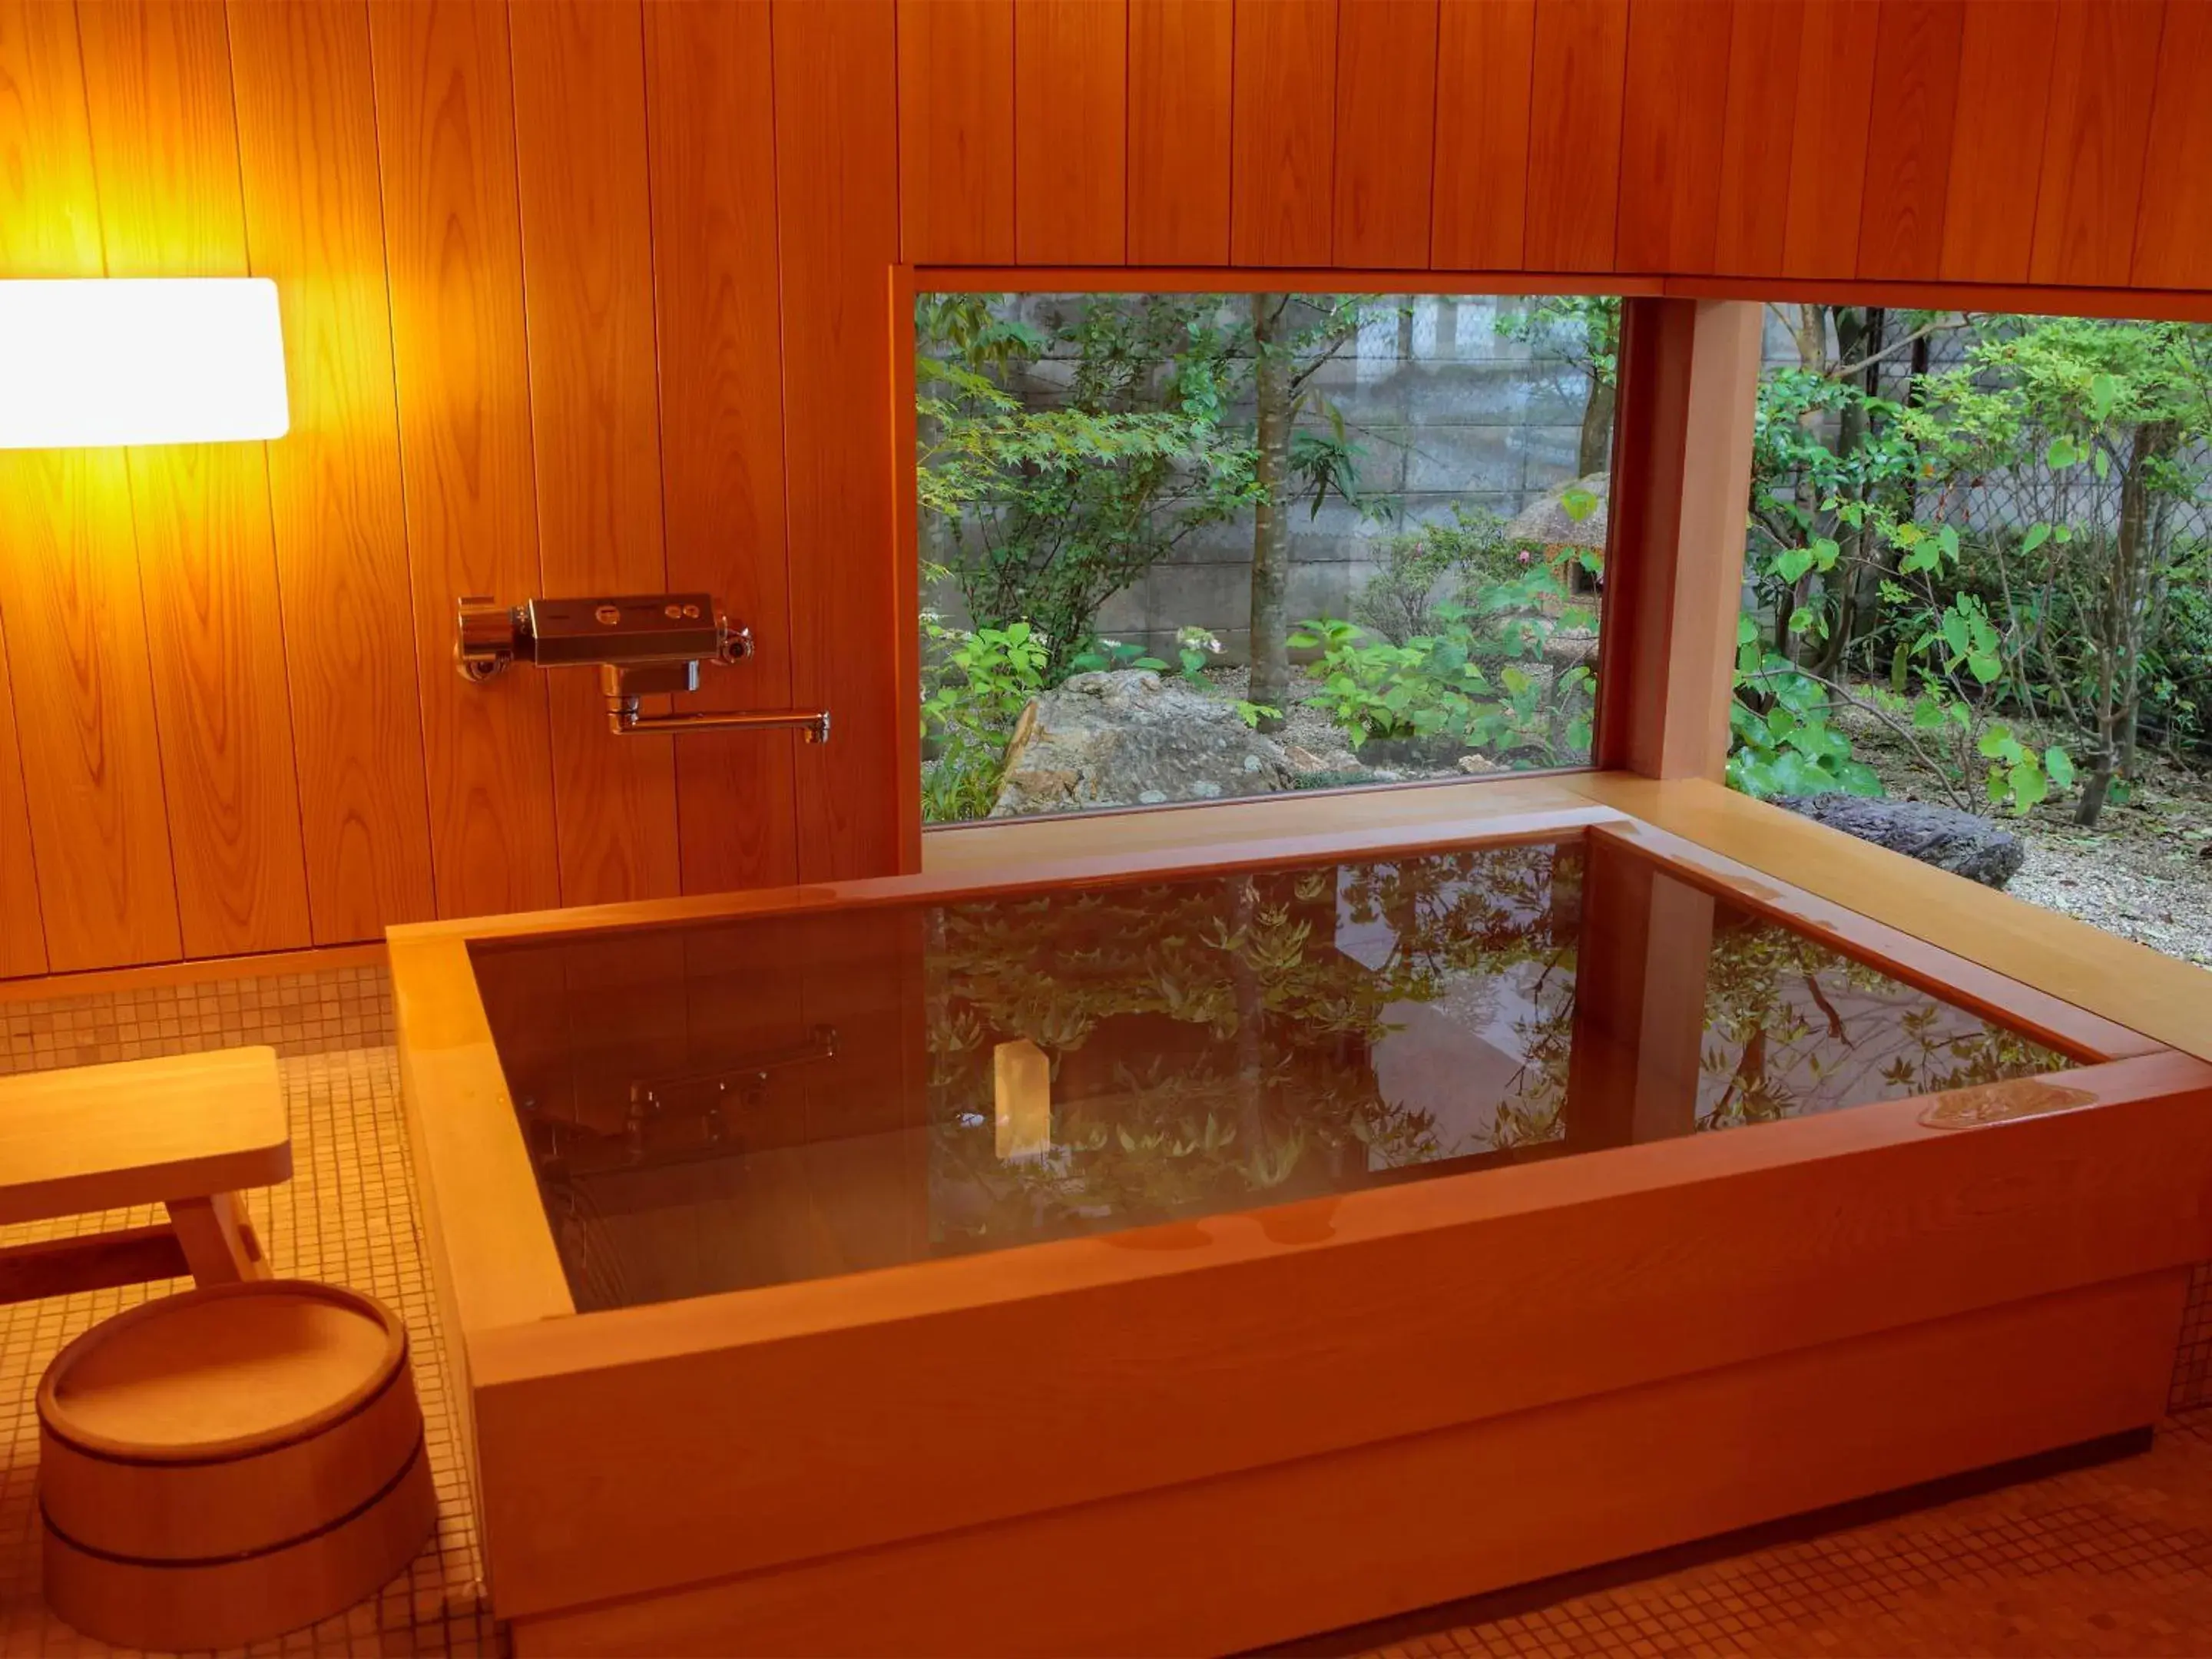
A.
pixel 230 1463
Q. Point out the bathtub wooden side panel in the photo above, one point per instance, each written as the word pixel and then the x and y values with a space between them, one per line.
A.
pixel 1274 1554
pixel 730 1434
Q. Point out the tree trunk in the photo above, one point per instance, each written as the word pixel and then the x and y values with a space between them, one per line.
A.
pixel 2119 677
pixel 1270 522
pixel 1596 446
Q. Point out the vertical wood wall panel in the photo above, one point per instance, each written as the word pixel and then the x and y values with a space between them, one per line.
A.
pixel 1996 141
pixel 955 140
pixel 1284 132
pixel 2101 84
pixel 23 113
pixel 165 155
pixel 651 344
pixel 837 217
pixel 594 412
pixel 2174 227
pixel 1674 115
pixel 1574 134
pixel 22 928
pixel 1753 213
pixel 1916 88
pixel 1071 101
pixel 307 165
pixel 1386 118
pixel 710 113
pixel 1828 137
pixel 1485 55
pixel 446 141
pixel 1180 54
pixel 82 692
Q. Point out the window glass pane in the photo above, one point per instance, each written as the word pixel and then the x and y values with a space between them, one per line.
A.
pixel 1181 547
pixel 1976 622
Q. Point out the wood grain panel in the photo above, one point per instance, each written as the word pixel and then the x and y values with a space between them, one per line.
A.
pixel 1071 101
pixel 1284 132
pixel 307 135
pixel 1674 115
pixel 1574 133
pixel 22 929
pixel 1828 137
pixel 1258 1560
pixel 1485 54
pixel 956 131
pixel 2106 64
pixel 1916 88
pixel 1180 55
pixel 594 412
pixel 82 696
pixel 446 145
pixel 1996 141
pixel 710 112
pixel 1386 119
pixel 1753 213
pixel 851 580
pixel 165 152
pixel 2173 228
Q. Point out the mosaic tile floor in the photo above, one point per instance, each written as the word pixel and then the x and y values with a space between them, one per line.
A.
pixel 346 1216
pixel 2111 1560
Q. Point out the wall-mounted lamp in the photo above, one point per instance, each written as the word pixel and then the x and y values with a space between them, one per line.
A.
pixel 140 360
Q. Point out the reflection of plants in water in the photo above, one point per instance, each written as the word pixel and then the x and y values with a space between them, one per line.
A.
pixel 1778 1040
pixel 1212 1040
pixel 1259 1030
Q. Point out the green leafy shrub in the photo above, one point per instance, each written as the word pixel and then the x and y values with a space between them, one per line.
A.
pixel 1049 509
pixel 984 678
pixel 1424 688
pixel 1399 601
pixel 1103 656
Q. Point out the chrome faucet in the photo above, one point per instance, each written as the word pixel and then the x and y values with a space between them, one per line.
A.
pixel 642 644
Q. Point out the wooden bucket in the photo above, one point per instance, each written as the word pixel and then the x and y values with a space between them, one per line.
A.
pixel 228 1464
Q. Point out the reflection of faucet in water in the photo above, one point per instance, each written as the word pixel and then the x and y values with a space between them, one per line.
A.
pixel 750 1076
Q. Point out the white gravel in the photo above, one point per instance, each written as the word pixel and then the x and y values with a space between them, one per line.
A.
pixel 2157 894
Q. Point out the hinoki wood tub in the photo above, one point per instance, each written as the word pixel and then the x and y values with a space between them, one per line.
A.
pixel 1198 1246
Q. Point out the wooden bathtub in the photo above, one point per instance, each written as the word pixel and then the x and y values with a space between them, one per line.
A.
pixel 825 1407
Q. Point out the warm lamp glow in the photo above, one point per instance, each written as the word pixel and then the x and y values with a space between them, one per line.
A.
pixel 131 361
pixel 1022 1079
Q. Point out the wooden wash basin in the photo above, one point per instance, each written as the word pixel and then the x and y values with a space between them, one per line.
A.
pixel 1195 1246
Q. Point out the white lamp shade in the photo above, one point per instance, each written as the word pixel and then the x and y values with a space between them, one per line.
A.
pixel 140 360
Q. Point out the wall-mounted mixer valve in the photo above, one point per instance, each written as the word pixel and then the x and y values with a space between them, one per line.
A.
pixel 642 644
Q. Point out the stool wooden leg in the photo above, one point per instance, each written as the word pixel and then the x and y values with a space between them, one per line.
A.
pixel 219 1241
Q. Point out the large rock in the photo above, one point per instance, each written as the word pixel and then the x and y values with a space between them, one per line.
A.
pixel 1126 739
pixel 1958 841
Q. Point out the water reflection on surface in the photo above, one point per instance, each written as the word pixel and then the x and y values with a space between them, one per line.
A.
pixel 753 1102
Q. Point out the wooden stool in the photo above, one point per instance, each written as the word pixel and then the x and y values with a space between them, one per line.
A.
pixel 189 1133
pixel 228 1464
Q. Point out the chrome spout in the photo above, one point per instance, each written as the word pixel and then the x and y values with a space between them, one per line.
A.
pixel 626 719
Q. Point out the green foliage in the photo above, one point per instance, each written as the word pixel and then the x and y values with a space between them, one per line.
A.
pixel 1783 740
pixel 1998 550
pixel 1399 601
pixel 984 679
pixel 1104 655
pixel 1052 504
pixel 1429 687
pixel 1479 678
pixel 1581 328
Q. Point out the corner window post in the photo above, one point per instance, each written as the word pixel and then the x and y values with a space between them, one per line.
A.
pixel 1689 388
